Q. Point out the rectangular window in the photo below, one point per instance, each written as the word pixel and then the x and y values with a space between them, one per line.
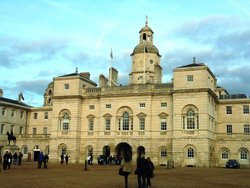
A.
pixel 142 124
pixel 65 125
pixel 91 124
pixel 108 105
pixel 2 129
pixel 35 115
pixel 66 86
pixel 34 131
pixel 229 110
pixel 163 104
pixel 91 107
pixel 246 129
pixel 21 114
pixel 245 109
pixel 142 105
pixel 107 124
pixel 13 113
pixel 229 130
pixel 21 130
pixel 3 111
pixel 45 130
pixel 190 78
pixel 12 127
pixel 163 124
pixel 46 115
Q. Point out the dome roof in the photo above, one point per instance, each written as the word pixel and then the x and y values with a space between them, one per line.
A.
pixel 50 85
pixel 146 28
pixel 150 48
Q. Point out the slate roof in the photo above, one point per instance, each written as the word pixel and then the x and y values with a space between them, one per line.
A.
pixel 14 102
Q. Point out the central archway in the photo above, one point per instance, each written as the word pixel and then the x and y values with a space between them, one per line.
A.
pixel 123 148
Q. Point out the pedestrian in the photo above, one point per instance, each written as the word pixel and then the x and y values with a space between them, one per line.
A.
pixel 149 171
pixel 20 156
pixel 15 159
pixel 67 158
pixel 126 168
pixel 45 161
pixel 5 160
pixel 62 158
pixel 9 160
pixel 40 159
pixel 141 170
pixel 1 159
pixel 0 162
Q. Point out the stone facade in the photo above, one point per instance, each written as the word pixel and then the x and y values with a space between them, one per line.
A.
pixel 190 121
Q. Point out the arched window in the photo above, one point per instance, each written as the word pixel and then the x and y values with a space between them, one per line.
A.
pixel 163 152
pixel 243 154
pixel 190 153
pixel 224 154
pixel 64 120
pixel 25 150
pixel 125 121
pixel 144 37
pixel 190 119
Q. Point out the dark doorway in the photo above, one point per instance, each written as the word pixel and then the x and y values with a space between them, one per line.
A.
pixel 123 148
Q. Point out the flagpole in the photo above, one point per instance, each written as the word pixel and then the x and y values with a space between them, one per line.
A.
pixel 110 67
pixel 144 77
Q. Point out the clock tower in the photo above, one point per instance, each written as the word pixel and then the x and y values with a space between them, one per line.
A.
pixel 145 58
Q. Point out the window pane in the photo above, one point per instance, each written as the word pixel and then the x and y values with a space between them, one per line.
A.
pixel 142 124
pixel 190 153
pixel 163 152
pixel 229 130
pixel 229 109
pixel 125 121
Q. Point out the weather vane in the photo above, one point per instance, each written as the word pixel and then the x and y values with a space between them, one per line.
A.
pixel 146 20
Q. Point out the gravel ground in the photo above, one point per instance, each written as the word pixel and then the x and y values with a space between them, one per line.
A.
pixel 98 176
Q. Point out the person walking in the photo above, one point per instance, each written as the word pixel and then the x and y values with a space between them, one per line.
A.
pixel 149 171
pixel 15 159
pixel 40 159
pixel 5 160
pixel 20 156
pixel 45 161
pixel 141 169
pixel 62 158
pixel 126 166
pixel 67 158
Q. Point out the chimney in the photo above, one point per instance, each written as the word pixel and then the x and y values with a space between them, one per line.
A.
pixel 103 82
pixel 85 75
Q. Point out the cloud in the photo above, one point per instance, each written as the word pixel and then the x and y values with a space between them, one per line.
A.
pixel 33 86
pixel 16 52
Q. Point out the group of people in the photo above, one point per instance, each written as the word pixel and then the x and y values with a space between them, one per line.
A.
pixel 8 159
pixel 43 159
pixel 64 157
pixel 144 170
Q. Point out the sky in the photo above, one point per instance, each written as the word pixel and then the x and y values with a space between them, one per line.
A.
pixel 43 39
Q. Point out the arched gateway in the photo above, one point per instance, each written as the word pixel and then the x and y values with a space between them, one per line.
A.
pixel 123 148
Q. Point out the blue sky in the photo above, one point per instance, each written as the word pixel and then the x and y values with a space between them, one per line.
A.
pixel 43 39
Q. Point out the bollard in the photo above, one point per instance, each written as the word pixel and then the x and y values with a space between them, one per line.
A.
pixel 86 165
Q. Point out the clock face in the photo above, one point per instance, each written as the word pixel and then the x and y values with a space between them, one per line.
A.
pixel 151 61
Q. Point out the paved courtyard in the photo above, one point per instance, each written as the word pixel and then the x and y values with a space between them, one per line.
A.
pixel 97 176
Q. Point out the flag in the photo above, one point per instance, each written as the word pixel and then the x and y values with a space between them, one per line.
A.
pixel 111 54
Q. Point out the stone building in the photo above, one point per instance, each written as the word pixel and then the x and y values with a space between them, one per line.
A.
pixel 190 121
